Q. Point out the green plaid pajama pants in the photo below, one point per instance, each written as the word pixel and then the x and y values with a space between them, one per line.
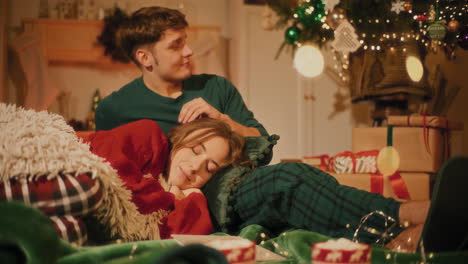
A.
pixel 296 195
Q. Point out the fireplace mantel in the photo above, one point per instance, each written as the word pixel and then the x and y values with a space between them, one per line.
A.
pixel 75 41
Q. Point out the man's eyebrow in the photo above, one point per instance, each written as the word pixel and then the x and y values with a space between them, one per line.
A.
pixel 204 149
pixel 178 39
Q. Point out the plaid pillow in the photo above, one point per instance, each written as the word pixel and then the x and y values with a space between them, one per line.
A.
pixel 64 199
pixel 71 229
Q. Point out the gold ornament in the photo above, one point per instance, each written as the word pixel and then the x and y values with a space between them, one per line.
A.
pixel 434 46
pixel 453 25
pixel 408 6
pixel 90 124
pixel 335 17
pixel 432 14
pixel 269 19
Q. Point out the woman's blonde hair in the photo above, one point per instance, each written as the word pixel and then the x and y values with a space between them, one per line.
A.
pixel 207 128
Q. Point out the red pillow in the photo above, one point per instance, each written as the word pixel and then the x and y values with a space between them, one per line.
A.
pixel 133 149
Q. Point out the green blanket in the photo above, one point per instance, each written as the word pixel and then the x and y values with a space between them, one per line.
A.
pixel 27 236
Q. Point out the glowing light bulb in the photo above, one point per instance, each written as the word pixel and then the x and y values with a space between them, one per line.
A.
pixel 309 61
pixel 414 68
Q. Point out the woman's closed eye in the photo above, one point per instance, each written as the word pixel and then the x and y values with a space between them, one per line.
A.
pixel 197 150
pixel 211 167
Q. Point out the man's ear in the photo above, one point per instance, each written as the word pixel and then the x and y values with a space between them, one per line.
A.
pixel 143 56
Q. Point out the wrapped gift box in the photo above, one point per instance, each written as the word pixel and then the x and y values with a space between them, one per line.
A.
pixel 421 150
pixel 421 121
pixel 314 162
pixel 418 184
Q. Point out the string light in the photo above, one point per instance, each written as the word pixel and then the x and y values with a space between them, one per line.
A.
pixel 376 39
pixel 421 35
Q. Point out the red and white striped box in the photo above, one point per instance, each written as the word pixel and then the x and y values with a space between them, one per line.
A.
pixel 237 251
pixel 341 251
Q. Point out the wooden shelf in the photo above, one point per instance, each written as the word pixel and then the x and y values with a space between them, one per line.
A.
pixel 75 41
pixel 69 41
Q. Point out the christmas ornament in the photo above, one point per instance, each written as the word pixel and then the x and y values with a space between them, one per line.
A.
pixel 308 61
pixel 330 4
pixel 90 124
pixel 421 18
pixel 310 13
pixel 335 18
pixel 432 14
pixel 463 39
pixel 268 15
pixel 434 46
pixel 388 160
pixel 346 40
pixel 397 7
pixel 453 25
pixel 408 6
pixel 437 30
pixel 292 34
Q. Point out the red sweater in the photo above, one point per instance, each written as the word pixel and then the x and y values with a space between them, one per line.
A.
pixel 140 148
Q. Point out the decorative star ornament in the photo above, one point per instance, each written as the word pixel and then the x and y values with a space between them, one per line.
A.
pixel 398 6
pixel 330 4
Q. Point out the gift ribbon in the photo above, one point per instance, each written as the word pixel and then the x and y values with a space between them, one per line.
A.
pixel 399 186
pixel 345 154
pixel 377 183
pixel 329 164
pixel 426 133
pixel 324 161
pixel 396 181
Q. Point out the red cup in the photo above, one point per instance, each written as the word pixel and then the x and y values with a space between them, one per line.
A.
pixel 341 251
pixel 236 251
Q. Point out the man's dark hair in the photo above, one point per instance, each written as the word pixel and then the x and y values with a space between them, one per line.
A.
pixel 146 26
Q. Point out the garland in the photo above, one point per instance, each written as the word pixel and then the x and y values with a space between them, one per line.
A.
pixel 378 24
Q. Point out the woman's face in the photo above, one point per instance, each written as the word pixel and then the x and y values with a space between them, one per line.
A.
pixel 192 167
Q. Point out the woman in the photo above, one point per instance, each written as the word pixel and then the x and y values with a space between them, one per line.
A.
pixel 139 152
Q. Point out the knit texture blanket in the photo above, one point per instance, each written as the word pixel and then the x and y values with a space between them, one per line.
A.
pixel 36 145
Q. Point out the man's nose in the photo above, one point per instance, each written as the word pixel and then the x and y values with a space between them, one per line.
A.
pixel 188 51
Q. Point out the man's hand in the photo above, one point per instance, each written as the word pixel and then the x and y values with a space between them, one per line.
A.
pixel 197 108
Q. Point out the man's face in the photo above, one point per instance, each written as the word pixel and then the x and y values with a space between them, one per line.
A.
pixel 172 56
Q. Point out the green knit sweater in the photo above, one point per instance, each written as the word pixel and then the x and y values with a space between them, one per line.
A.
pixel 135 101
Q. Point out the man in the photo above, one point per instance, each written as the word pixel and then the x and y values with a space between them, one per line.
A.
pixel 156 40
pixel 278 197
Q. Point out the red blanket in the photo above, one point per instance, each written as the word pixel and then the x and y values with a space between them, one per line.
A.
pixel 140 148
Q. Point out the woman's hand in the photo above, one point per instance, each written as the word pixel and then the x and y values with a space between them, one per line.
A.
pixel 178 193
pixel 191 190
